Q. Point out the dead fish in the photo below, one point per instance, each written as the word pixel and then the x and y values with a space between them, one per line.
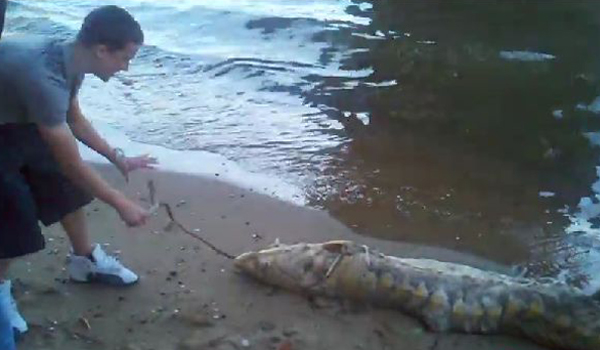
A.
pixel 444 296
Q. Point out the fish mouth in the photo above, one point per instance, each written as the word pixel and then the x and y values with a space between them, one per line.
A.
pixel 243 259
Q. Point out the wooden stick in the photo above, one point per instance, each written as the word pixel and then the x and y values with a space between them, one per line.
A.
pixel 210 245
pixel 156 205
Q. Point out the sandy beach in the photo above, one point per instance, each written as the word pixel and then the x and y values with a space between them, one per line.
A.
pixel 190 298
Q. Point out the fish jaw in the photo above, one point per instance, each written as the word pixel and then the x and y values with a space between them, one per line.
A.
pixel 274 266
pixel 297 267
pixel 247 262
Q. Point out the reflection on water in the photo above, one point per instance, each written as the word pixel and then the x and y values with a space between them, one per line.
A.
pixel 454 124
pixel 479 145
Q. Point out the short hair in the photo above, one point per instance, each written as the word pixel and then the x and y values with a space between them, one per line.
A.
pixel 112 26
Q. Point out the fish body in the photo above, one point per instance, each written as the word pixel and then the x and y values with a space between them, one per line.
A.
pixel 444 296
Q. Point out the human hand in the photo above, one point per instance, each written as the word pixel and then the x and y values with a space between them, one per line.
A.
pixel 128 164
pixel 131 213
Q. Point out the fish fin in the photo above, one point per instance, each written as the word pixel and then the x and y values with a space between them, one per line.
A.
pixel 336 246
pixel 275 244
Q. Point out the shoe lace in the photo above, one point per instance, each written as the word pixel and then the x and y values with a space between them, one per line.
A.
pixel 109 262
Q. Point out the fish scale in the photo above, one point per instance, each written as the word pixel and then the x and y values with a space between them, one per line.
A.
pixel 444 296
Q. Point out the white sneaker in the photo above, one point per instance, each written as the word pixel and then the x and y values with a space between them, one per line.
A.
pixel 9 306
pixel 104 269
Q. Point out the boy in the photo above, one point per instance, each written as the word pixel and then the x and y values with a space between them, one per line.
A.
pixel 42 176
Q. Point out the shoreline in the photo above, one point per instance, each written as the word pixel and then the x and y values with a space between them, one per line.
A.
pixel 190 298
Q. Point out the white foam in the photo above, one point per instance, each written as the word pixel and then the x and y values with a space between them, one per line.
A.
pixel 526 56
pixel 386 83
pixel 558 114
pixel 588 208
pixel 368 36
pixel 593 107
pixel 199 163
pixel 321 10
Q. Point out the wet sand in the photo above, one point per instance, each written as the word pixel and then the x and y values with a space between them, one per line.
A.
pixel 190 298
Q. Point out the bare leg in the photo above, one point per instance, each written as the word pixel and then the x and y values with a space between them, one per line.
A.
pixel 75 226
pixel 4 264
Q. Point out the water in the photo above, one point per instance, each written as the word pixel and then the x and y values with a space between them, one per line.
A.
pixel 214 77
pixel 461 125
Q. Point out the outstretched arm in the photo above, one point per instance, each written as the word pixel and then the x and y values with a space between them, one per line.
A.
pixel 84 131
pixel 64 148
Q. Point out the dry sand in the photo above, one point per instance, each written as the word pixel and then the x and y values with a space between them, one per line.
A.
pixel 190 298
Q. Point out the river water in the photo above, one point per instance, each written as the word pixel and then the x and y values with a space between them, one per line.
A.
pixel 464 126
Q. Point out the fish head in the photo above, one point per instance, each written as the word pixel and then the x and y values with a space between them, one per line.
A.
pixel 294 267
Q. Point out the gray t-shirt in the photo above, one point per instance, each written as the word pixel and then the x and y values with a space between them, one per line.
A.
pixel 37 81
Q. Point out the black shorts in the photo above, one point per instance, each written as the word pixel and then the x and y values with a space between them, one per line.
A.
pixel 32 189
